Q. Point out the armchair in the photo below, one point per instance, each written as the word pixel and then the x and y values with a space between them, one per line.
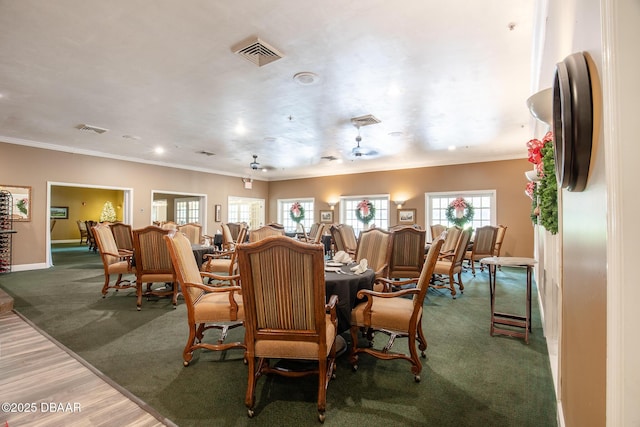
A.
pixel 344 238
pixel 483 246
pixel 407 253
pixel 375 245
pixel 153 264
pixel 225 262
pixel 193 231
pixel 391 314
pixel 286 315
pixel 113 261
pixel 220 308
pixel 123 236
pixel 452 264
pixel 264 232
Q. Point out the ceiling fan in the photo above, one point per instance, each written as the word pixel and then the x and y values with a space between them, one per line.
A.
pixel 254 165
pixel 359 151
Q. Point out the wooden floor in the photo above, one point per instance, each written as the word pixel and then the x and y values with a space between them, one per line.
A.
pixel 44 384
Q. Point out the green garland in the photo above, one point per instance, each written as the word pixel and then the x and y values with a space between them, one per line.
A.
pixel 460 222
pixel 547 190
pixel 366 219
pixel 298 218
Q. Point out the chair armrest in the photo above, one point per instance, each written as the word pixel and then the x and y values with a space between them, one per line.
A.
pixel 389 284
pixel 219 277
pixel 371 294
pixel 442 255
pixel 217 254
pixel 331 307
pixel 210 289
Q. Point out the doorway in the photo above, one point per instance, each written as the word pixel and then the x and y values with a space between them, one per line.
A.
pixel 83 202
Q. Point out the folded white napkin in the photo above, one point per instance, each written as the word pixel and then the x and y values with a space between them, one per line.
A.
pixel 360 268
pixel 343 257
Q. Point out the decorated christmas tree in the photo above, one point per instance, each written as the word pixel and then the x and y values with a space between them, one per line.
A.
pixel 108 213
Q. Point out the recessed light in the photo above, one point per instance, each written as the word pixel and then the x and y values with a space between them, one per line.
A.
pixel 451 147
pixel 306 78
pixel 159 150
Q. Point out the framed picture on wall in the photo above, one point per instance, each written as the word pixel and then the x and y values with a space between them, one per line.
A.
pixel 59 212
pixel 218 213
pixel 406 216
pixel 326 217
pixel 21 209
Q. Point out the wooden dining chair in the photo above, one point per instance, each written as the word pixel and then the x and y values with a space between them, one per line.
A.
pixel 264 232
pixel 193 231
pixel 407 253
pixel 123 235
pixel 286 314
pixel 207 307
pixel 450 265
pixel 82 228
pixel 113 261
pixel 223 262
pixel 91 240
pixel 395 315
pixel 153 265
pixel 483 246
pixel 344 238
pixel 375 246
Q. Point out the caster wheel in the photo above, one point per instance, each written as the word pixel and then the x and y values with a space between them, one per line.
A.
pixel 250 413
pixel 104 296
pixel 333 376
pixel 354 368
pixel 185 363
pixel 321 418
pixel 424 356
pixel 417 378
pixel 139 308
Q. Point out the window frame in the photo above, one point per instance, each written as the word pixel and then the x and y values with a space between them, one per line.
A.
pixel 283 206
pixel 345 217
pixel 467 194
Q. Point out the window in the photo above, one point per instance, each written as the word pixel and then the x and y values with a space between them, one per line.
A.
pixel 483 202
pixel 285 219
pixel 159 210
pixel 348 211
pixel 187 210
pixel 248 210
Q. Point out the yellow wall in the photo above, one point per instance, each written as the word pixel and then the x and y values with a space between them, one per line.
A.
pixel 84 204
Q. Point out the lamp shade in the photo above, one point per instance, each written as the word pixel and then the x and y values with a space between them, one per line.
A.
pixel 540 105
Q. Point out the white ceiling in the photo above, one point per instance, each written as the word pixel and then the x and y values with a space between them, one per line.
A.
pixel 436 74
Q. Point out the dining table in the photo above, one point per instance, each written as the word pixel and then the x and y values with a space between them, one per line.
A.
pixel 341 281
pixel 199 251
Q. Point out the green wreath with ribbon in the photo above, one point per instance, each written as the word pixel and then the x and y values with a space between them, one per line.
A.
pixel 365 219
pixel 296 207
pixel 460 203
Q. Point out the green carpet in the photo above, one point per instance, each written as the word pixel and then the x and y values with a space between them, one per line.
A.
pixel 469 378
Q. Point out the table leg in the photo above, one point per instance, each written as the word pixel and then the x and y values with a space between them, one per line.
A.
pixel 492 292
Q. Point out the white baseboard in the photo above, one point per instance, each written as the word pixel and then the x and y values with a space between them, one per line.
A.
pixel 28 267
pixel 66 241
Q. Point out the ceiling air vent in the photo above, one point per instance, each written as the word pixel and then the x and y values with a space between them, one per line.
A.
pixel 95 129
pixel 257 51
pixel 206 153
pixel 369 119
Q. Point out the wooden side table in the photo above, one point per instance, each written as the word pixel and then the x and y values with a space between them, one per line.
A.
pixel 498 318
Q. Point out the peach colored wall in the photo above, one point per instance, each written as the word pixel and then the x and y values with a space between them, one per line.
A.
pixel 35 167
pixel 506 177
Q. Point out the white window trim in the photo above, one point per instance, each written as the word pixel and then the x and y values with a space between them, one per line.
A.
pixel 491 193
pixel 362 197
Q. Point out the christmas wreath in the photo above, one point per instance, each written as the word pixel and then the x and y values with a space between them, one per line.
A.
pixel 456 212
pixel 365 211
pixel 296 212
pixel 544 193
